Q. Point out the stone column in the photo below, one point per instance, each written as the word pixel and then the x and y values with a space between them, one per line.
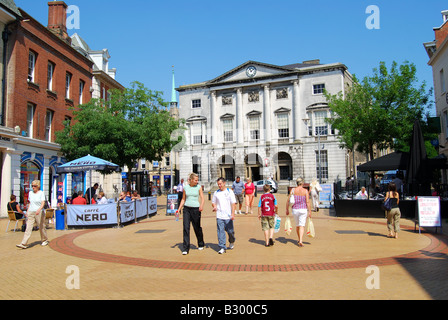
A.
pixel 213 122
pixel 296 121
pixel 6 187
pixel 239 117
pixel 266 113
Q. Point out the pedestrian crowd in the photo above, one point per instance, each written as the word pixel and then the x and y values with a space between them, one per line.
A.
pixel 224 204
pixel 228 202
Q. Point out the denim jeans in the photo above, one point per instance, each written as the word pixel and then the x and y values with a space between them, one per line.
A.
pixel 223 227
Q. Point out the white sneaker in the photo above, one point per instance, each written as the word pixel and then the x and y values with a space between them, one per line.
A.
pixel 222 251
pixel 45 243
pixel 231 246
pixel 21 246
pixel 201 248
pixel 184 253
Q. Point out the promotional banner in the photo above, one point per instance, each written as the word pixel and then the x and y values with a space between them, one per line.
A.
pixel 127 211
pixel 141 207
pixel 92 215
pixel 171 204
pixel 326 196
pixel 152 205
pixel 429 212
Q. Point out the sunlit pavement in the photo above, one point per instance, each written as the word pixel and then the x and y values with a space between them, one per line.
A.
pixel 350 259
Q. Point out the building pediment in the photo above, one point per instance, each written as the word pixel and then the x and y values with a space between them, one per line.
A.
pixel 249 71
pixel 282 110
pixel 196 118
pixel 253 113
pixel 227 116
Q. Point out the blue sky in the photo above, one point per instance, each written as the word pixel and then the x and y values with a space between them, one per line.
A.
pixel 205 38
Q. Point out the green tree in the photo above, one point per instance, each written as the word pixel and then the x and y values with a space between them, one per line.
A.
pixel 132 125
pixel 380 110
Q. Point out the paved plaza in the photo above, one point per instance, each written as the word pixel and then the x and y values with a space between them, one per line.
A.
pixel 144 261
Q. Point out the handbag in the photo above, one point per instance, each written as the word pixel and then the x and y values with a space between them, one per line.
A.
pixel 387 205
pixel 288 226
pixel 310 229
pixel 292 199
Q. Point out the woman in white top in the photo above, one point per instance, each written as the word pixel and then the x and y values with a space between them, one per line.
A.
pixel 315 188
pixel 35 213
pixel 102 199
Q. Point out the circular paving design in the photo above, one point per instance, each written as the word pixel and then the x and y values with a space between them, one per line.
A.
pixel 342 244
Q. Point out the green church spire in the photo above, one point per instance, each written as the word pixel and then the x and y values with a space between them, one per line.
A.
pixel 173 91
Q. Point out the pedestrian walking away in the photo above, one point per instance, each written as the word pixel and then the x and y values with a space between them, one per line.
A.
pixel 301 209
pixel 393 215
pixel 35 213
pixel 249 189
pixel 224 204
pixel 238 189
pixel 192 204
pixel 315 188
pixel 267 209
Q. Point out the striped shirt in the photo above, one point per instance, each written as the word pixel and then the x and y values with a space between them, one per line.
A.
pixel 299 202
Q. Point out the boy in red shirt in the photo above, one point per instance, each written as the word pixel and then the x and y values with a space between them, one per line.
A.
pixel 267 209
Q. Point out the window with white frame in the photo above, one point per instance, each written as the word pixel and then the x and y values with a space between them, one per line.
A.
pixel 196 132
pixel 50 74
pixel 48 124
pixel 227 125
pixel 31 65
pixel 442 81
pixel 254 127
pixel 320 126
pixel 196 103
pixel 283 125
pixel 197 167
pixel 68 81
pixel 29 119
pixel 319 88
pixel 322 164
pixel 82 84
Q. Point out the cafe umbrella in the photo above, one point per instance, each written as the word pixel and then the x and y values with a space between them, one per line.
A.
pixel 88 163
pixel 417 173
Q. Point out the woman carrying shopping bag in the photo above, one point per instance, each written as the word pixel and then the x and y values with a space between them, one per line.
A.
pixel 301 209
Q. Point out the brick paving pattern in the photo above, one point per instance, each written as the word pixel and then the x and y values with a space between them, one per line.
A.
pixel 144 261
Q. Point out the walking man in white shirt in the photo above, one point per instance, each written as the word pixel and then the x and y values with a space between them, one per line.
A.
pixel 224 204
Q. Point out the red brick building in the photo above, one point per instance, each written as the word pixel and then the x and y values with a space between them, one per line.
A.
pixel 46 76
pixel 45 79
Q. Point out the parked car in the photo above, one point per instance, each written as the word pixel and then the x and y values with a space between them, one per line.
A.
pixel 260 184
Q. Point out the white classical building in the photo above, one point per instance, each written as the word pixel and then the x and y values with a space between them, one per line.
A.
pixel 260 120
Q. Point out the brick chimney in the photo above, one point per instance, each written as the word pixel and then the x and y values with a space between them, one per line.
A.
pixel 57 19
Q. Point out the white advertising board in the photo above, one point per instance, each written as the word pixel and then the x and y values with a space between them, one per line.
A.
pixel 429 212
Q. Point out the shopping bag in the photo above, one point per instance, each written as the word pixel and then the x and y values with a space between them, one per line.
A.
pixel 278 222
pixel 310 229
pixel 288 226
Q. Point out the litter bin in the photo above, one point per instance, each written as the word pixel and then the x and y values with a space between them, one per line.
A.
pixel 60 221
